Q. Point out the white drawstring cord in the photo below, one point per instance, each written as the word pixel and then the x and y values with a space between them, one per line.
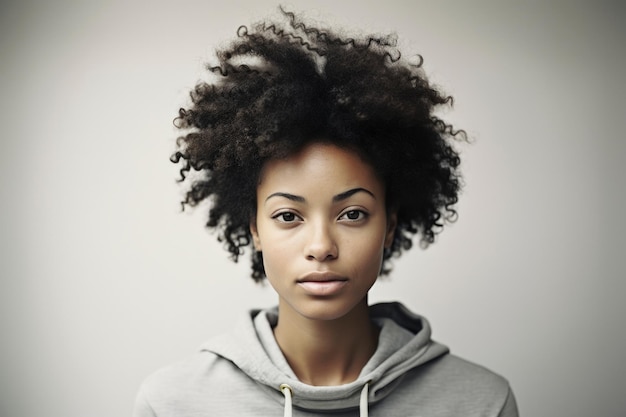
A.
pixel 363 403
pixel 286 390
pixel 363 409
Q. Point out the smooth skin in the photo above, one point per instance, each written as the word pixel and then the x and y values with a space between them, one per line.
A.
pixel 322 226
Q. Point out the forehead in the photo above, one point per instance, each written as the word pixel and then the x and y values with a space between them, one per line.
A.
pixel 319 166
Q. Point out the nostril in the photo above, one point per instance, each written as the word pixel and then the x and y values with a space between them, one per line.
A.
pixel 321 245
pixel 322 253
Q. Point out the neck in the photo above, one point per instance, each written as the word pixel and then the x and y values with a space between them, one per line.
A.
pixel 326 352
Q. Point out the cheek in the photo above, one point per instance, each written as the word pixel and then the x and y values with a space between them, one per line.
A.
pixel 368 252
pixel 275 256
pixel 271 260
pixel 374 260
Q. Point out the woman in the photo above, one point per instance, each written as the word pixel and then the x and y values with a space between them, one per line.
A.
pixel 324 154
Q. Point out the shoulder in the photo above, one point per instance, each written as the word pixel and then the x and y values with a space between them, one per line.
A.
pixel 461 372
pixel 198 365
pixel 450 385
pixel 181 388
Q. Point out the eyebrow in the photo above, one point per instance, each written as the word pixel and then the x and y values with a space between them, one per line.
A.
pixel 350 193
pixel 339 197
pixel 288 196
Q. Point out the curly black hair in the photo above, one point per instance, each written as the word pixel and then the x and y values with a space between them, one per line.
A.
pixel 282 86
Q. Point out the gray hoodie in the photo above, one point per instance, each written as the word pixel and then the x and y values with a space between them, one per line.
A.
pixel 243 373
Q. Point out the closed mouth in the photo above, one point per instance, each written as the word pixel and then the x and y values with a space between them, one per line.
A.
pixel 321 277
pixel 322 284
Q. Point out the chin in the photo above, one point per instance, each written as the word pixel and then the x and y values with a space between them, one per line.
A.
pixel 324 309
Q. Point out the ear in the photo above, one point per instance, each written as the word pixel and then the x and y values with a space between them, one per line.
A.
pixel 392 222
pixel 255 235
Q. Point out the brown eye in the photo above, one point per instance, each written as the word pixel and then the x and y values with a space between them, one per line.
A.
pixel 353 215
pixel 286 217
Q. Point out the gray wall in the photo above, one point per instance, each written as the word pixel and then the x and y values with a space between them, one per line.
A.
pixel 103 280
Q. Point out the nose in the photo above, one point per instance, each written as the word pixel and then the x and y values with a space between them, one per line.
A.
pixel 321 245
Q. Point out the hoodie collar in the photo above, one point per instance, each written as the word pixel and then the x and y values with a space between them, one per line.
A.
pixel 404 343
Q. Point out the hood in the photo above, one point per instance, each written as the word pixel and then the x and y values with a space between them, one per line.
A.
pixel 404 343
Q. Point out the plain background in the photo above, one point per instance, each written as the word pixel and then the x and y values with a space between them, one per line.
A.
pixel 103 280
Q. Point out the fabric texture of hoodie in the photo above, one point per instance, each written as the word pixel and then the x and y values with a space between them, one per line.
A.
pixel 244 373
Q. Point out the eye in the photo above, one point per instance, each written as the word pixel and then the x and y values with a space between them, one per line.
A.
pixel 286 217
pixel 353 215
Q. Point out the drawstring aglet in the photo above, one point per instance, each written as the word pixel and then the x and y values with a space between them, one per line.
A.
pixel 286 390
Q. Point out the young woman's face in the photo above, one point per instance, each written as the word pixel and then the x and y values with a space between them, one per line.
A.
pixel 322 226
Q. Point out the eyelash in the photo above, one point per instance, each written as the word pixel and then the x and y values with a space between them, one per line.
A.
pixel 362 215
pixel 280 217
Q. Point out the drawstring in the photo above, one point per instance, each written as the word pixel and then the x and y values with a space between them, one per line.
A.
pixel 286 390
pixel 363 412
pixel 363 403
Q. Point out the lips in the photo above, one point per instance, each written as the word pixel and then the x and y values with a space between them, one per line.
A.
pixel 322 283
